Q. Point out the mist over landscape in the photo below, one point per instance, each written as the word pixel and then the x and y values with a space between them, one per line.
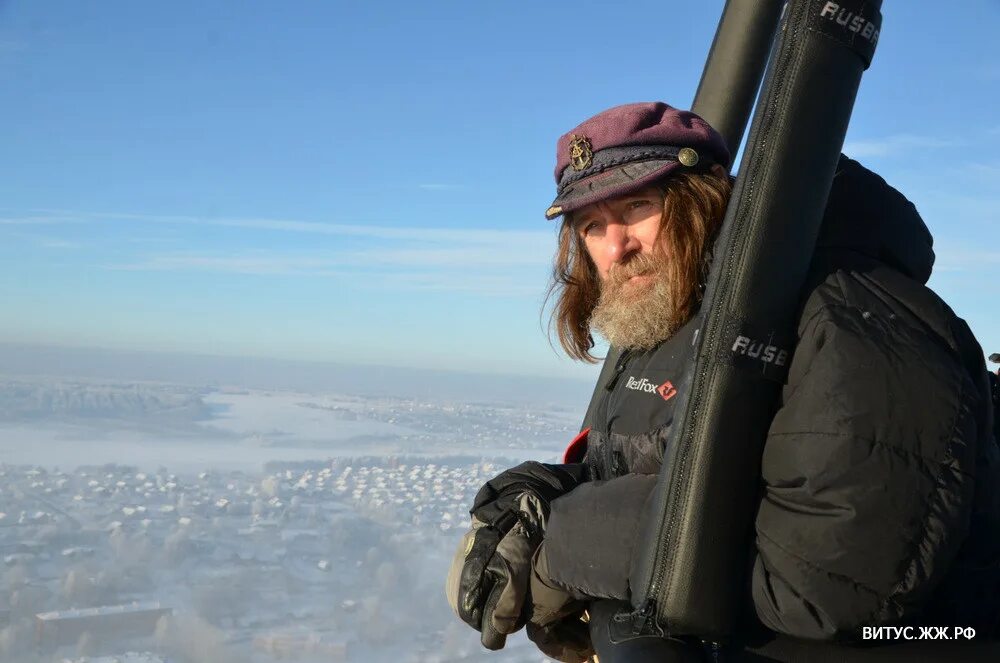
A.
pixel 191 519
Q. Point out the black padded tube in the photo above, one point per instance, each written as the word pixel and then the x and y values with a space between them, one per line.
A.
pixel 691 576
pixel 735 66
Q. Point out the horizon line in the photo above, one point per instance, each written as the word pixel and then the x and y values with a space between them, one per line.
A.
pixel 262 358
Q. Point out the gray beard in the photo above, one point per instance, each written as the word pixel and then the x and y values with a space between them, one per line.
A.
pixel 635 316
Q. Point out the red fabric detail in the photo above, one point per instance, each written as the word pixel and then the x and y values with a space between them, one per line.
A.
pixel 667 390
pixel 577 448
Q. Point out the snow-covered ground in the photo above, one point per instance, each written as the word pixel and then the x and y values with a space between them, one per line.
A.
pixel 311 561
pixel 273 525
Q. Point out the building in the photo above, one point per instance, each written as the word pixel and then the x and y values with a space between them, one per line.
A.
pixel 64 627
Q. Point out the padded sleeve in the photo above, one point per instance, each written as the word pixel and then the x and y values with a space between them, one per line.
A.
pixel 868 474
pixel 591 536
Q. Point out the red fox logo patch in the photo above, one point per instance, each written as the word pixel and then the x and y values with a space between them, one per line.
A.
pixel 666 390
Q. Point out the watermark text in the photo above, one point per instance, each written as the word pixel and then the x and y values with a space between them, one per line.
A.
pixel 917 633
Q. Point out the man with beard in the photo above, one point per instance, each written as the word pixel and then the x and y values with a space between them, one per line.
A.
pixel 880 474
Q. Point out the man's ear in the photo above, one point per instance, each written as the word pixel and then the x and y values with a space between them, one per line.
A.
pixel 718 169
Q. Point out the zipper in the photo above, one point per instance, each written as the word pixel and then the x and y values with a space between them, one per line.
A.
pixel 619 369
pixel 677 470
pixel 638 623
pixel 642 617
pixel 605 428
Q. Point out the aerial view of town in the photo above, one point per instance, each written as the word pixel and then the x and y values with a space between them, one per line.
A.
pixel 311 527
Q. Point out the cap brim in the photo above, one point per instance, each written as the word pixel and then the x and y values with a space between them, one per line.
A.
pixel 611 183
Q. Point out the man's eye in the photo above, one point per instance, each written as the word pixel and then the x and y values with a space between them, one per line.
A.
pixel 639 203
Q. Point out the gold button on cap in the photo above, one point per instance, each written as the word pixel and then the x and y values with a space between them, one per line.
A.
pixel 687 156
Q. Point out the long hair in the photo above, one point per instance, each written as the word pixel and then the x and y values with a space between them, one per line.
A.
pixel 694 205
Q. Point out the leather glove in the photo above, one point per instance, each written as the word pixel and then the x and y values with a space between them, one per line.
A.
pixel 488 582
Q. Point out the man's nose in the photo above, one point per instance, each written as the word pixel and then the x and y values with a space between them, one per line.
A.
pixel 621 243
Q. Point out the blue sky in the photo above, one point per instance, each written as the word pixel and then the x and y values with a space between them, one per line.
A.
pixel 365 182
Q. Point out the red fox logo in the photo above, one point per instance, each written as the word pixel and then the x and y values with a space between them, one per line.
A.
pixel 666 390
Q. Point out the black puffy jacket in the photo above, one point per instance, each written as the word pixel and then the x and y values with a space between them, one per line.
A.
pixel 880 473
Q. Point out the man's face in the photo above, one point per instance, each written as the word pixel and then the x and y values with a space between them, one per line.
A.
pixel 620 235
pixel 616 231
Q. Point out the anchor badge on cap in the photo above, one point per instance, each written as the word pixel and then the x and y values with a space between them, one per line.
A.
pixel 580 153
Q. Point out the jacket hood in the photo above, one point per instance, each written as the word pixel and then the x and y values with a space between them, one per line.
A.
pixel 865 215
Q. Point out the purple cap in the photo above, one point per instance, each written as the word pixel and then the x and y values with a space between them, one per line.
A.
pixel 628 147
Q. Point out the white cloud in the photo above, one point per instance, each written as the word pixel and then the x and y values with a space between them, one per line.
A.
pixel 892 145
pixel 456 270
pixel 250 264
pixel 276 263
pixel 464 235
pixel 482 260
pixel 40 220
pixel 499 285
pixel 955 259
pixel 468 256
pixel 44 241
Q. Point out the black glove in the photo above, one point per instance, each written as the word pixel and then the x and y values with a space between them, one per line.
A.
pixel 490 575
pixel 546 482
